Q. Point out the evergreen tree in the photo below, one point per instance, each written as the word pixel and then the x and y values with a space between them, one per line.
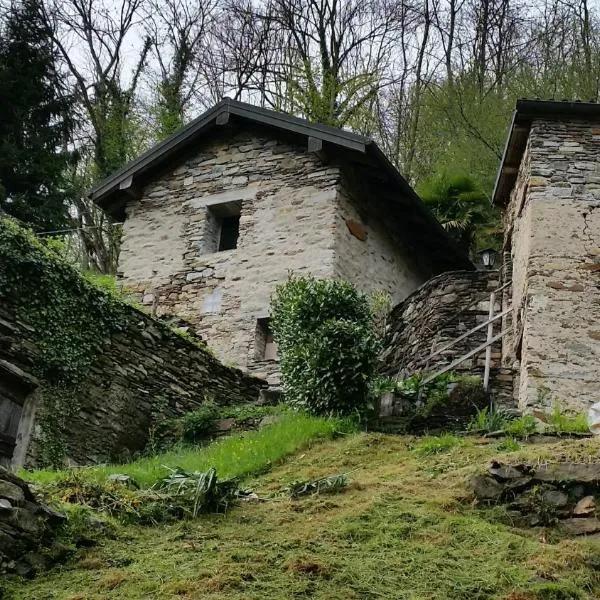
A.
pixel 35 121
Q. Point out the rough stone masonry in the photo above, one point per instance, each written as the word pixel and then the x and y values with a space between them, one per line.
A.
pixel 550 183
pixel 295 215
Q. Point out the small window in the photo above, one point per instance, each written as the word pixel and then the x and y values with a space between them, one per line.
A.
pixel 221 228
pixel 265 346
pixel 230 231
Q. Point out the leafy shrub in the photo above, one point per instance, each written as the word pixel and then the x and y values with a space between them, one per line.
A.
pixel 188 429
pixel 488 420
pixel 448 401
pixel 326 343
pixel 201 423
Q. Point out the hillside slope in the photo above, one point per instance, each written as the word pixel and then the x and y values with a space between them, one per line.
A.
pixel 404 528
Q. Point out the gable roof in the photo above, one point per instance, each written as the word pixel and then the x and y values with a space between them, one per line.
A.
pixel 360 152
pixel 526 111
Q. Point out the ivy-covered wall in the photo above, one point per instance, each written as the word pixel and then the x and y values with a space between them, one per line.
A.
pixel 95 372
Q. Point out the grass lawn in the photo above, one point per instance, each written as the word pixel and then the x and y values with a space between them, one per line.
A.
pixel 405 528
pixel 232 456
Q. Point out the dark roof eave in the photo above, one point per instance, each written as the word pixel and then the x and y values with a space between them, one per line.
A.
pixel 162 152
pixel 525 112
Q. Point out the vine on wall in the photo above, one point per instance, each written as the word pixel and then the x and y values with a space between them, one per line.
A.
pixel 71 322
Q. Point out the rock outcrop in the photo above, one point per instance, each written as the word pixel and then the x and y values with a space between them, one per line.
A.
pixel 27 529
pixel 546 494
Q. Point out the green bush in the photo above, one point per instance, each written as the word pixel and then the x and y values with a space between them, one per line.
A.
pixel 326 343
pixel 189 428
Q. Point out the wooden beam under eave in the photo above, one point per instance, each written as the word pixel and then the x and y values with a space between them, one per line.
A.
pixel 222 118
pixel 315 144
pixel 128 187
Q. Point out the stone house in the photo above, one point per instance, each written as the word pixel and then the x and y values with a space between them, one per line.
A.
pixel 219 213
pixel 549 189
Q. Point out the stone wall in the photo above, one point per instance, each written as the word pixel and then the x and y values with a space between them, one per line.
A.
pixel 146 371
pixel 553 233
pixel 436 314
pixel 295 215
pixel 27 529
pixel 367 249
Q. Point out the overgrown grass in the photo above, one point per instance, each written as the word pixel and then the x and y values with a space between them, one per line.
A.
pixel 436 444
pixel 567 423
pixel 235 456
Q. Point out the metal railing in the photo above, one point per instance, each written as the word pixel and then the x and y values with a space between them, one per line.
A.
pixel 487 345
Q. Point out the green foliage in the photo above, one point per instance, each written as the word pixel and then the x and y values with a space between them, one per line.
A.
pixel 249 412
pixel 463 210
pixel 237 455
pixel 71 321
pixel 169 108
pixel 201 424
pixel 448 401
pixel 198 492
pixel 564 423
pixel 188 429
pixel 436 445
pixel 35 121
pixel 174 492
pixel 522 427
pixel 332 484
pixel 508 444
pixel 326 343
pixel 107 283
pixel 489 420
pixel 380 304
pixel 176 496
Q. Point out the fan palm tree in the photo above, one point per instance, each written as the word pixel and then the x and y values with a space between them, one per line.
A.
pixel 463 210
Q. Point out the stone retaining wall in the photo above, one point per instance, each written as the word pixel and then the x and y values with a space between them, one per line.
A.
pixel 146 371
pixel 436 314
pixel 27 529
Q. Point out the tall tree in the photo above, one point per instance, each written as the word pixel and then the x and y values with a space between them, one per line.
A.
pixel 92 38
pixel 340 49
pixel 35 121
pixel 177 30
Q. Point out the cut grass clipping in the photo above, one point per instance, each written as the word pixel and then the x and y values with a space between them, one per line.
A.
pixel 406 530
pixel 183 484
